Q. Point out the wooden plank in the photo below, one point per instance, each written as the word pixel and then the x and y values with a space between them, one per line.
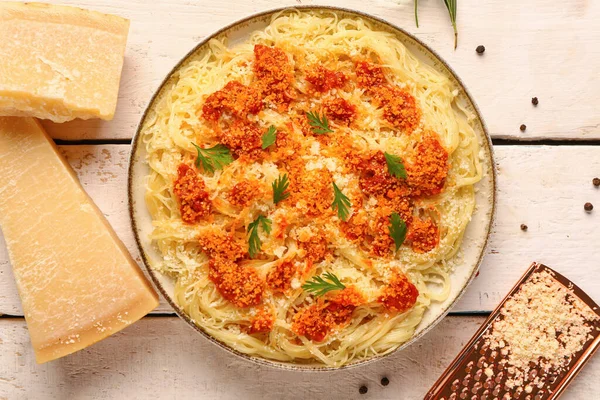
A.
pixel 162 358
pixel 544 187
pixel 534 48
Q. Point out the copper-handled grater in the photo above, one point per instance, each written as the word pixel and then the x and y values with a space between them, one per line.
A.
pixel 479 373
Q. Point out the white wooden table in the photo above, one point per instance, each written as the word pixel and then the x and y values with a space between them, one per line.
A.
pixel 533 48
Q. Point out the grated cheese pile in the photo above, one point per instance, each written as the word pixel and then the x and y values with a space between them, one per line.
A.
pixel 540 329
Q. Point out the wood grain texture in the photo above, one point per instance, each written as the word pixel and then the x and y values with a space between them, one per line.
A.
pixel 163 358
pixel 533 48
pixel 544 187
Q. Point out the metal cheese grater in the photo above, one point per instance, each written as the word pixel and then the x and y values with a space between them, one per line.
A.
pixel 479 373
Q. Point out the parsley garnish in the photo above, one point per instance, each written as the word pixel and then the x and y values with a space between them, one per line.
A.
pixel 319 286
pixel 319 125
pixel 397 229
pixel 254 242
pixel 213 158
pixel 395 166
pixel 269 137
pixel 341 203
pixel 280 186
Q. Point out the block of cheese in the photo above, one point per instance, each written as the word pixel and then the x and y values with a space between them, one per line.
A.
pixel 58 62
pixel 77 282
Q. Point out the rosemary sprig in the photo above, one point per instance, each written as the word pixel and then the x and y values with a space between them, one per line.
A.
pixel 340 202
pixel 269 137
pixel 319 286
pixel 280 186
pixel 416 14
pixel 395 166
pixel 398 229
pixel 254 243
pixel 319 125
pixel 451 6
pixel 213 158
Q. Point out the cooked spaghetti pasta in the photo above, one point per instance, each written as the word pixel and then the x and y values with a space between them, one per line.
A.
pixel 330 109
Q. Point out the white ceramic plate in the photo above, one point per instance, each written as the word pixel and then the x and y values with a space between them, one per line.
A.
pixel 476 236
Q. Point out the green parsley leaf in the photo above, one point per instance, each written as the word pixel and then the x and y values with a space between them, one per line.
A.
pixel 319 286
pixel 341 203
pixel 254 243
pixel 398 229
pixel 319 125
pixel 395 166
pixel 269 137
pixel 280 187
pixel 213 158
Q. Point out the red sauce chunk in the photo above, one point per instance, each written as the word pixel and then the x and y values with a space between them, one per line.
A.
pixel 244 139
pixel 235 98
pixel 423 235
pixel 243 193
pixel 314 190
pixel 382 242
pixel 242 286
pixel 350 296
pixel 429 167
pixel 194 202
pixel 399 108
pixel 369 75
pixel 323 79
pixel 340 110
pixel 316 247
pixel 279 279
pixel 263 321
pixel 219 244
pixel 274 75
pixel 313 322
pixel 319 319
pixel 375 178
pixel 400 294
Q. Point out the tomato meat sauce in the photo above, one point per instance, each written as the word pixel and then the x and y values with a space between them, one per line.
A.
pixel 243 193
pixel 423 235
pixel 323 79
pixel 244 138
pixel 279 279
pixel 241 285
pixel 316 321
pixel 340 110
pixel 428 169
pixel 399 294
pixel 235 98
pixel 194 201
pixel 274 75
pixel 263 321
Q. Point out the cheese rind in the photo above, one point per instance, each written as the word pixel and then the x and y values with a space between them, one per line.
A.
pixel 59 62
pixel 77 282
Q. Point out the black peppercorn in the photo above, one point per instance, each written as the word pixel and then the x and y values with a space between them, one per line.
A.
pixel 480 49
pixel 534 101
pixel 363 389
pixel 523 127
pixel 523 227
pixel 588 207
pixel 385 381
pixel 596 182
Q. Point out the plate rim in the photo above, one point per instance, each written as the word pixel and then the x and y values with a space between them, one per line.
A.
pixel 273 363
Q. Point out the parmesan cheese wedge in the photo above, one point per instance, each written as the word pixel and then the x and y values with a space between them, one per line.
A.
pixel 77 282
pixel 59 63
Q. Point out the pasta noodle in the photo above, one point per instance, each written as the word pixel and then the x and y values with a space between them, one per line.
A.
pixel 307 237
